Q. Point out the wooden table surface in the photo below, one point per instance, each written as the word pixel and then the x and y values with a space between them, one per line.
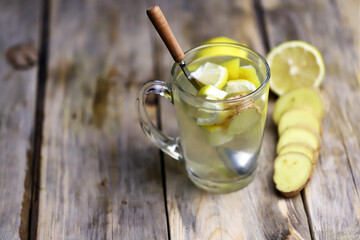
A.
pixel 74 163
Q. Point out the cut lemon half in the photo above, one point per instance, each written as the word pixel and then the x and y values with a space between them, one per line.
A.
pixel 295 64
pixel 214 92
pixel 211 74
pixel 239 86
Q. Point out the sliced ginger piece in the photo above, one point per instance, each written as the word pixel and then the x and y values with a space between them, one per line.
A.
pixel 291 173
pixel 299 135
pixel 244 120
pixel 304 96
pixel 300 116
pixel 300 148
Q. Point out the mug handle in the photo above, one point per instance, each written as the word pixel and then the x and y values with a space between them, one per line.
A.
pixel 167 144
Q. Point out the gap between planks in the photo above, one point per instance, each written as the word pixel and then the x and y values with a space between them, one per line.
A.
pixel 162 164
pixel 156 74
pixel 39 117
pixel 260 20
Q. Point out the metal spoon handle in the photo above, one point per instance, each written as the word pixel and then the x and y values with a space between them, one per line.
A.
pixel 162 27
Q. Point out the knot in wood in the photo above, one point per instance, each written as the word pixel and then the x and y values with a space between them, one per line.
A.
pixel 22 56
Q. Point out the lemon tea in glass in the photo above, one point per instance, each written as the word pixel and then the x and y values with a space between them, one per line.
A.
pixel 221 121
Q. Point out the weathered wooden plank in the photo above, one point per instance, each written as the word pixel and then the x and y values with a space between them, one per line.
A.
pixel 100 178
pixel 332 196
pixel 256 212
pixel 350 19
pixel 19 26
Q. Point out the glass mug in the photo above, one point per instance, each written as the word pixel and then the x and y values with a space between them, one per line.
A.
pixel 220 140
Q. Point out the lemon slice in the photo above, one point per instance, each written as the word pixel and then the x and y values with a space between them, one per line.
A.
pixel 242 86
pixel 205 117
pixel 221 50
pixel 221 39
pixel 212 114
pixel 211 74
pixel 214 92
pixel 216 136
pixel 209 113
pixel 295 64
pixel 233 68
pixel 249 73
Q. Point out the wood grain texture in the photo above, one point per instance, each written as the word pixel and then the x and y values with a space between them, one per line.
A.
pixel 350 19
pixel 19 25
pixel 332 197
pixel 100 177
pixel 256 212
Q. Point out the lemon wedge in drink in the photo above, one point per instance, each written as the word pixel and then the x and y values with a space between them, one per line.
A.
pixel 216 135
pixel 249 73
pixel 211 74
pixel 233 68
pixel 220 50
pixel 295 64
pixel 214 92
pixel 239 86
pixel 221 39
pixel 211 113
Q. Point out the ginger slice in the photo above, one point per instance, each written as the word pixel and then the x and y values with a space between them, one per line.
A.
pixel 306 97
pixel 292 171
pixel 299 135
pixel 299 116
pixel 244 120
pixel 301 148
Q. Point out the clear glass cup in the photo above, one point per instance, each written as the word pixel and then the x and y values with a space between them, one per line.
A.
pixel 220 140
